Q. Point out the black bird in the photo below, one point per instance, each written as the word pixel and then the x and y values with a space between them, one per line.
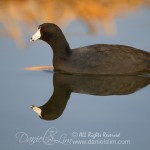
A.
pixel 102 59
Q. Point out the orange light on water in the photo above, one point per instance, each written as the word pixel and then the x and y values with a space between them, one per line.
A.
pixel 15 14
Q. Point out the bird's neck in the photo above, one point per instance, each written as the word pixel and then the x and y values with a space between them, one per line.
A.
pixel 60 46
pixel 61 51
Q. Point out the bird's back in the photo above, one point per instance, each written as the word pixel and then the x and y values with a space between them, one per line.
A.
pixel 108 59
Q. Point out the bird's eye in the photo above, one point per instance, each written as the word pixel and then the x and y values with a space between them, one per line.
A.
pixel 43 29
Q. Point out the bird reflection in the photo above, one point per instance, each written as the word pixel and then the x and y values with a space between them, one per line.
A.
pixel 65 84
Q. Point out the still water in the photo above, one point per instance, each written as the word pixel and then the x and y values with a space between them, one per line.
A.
pixel 93 110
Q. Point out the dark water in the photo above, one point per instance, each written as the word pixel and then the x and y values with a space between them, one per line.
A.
pixel 75 107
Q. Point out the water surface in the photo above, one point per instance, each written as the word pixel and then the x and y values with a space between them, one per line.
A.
pixel 85 104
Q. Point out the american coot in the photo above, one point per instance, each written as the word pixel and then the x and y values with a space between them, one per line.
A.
pixel 94 59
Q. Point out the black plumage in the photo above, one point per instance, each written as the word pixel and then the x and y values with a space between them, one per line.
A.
pixel 101 59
